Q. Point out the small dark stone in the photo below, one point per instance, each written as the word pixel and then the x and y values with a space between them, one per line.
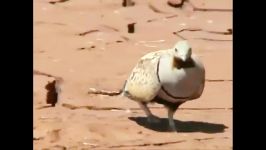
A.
pixel 230 31
pixel 52 95
pixel 175 3
pixel 131 28
pixel 128 3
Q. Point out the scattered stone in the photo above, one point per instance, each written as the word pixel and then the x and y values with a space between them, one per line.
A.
pixel 175 3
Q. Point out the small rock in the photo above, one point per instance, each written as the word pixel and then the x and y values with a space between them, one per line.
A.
pixel 127 3
pixel 175 3
pixel 131 28
pixel 230 31
pixel 52 95
pixel 39 138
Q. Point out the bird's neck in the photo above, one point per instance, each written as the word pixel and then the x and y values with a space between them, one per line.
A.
pixel 178 63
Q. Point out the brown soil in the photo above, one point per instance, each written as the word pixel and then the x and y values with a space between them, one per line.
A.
pixel 86 44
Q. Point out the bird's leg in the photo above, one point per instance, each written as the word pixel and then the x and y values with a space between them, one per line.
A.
pixel 171 119
pixel 151 117
pixel 171 110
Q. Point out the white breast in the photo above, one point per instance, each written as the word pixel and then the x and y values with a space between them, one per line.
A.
pixel 184 82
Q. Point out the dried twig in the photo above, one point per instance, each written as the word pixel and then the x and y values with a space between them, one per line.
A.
pixel 88 32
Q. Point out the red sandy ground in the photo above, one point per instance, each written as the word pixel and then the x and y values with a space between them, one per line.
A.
pixel 82 121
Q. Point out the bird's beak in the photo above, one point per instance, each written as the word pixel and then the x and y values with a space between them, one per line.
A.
pixel 183 58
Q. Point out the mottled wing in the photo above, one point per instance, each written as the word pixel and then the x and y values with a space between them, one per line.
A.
pixel 143 83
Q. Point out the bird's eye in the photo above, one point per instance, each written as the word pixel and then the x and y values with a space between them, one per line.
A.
pixel 176 49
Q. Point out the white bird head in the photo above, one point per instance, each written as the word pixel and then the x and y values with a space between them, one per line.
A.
pixel 182 50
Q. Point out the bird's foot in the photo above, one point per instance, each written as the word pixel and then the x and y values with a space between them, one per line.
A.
pixel 153 119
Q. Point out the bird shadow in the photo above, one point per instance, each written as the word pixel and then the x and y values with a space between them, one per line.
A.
pixel 182 126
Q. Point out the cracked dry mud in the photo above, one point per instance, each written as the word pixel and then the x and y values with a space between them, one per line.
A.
pixel 82 44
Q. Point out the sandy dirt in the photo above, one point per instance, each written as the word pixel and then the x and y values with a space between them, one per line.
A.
pixel 86 43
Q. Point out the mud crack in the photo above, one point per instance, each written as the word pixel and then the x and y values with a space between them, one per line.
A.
pixel 162 143
pixel 57 1
pixel 54 23
pixel 109 27
pixel 36 72
pixel 208 9
pixel 148 144
pixel 228 32
pixel 156 10
pixel 218 80
pixel 210 138
pixel 166 17
pixel 88 32
pixel 208 39
pixel 181 4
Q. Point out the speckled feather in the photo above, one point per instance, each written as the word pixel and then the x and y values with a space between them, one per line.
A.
pixel 143 83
